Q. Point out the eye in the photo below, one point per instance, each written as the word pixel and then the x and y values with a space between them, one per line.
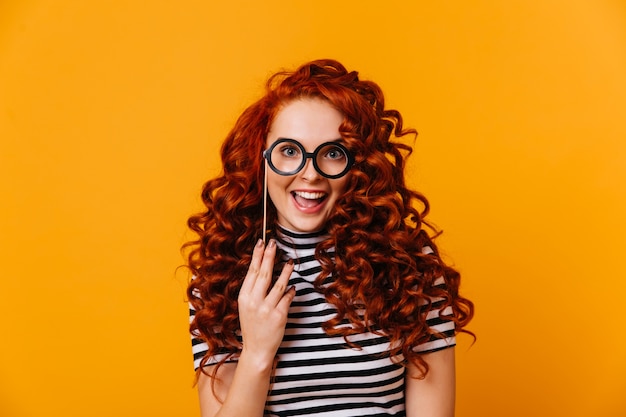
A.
pixel 289 151
pixel 335 153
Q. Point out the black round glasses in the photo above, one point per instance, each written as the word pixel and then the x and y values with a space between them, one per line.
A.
pixel 288 157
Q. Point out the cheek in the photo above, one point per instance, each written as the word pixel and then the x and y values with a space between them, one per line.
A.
pixel 276 184
pixel 341 185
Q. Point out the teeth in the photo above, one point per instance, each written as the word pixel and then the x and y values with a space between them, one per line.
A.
pixel 308 195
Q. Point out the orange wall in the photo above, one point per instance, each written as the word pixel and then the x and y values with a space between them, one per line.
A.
pixel 110 117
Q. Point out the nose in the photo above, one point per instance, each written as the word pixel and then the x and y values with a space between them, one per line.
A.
pixel 309 172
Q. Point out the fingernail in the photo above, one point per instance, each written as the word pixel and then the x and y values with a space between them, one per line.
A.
pixel 259 243
pixel 290 262
pixel 272 243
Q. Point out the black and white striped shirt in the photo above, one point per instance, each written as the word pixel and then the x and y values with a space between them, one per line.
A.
pixel 320 375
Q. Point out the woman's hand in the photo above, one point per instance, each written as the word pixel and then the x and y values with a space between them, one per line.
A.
pixel 241 387
pixel 263 314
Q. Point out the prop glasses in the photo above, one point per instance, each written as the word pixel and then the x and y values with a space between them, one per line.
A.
pixel 288 157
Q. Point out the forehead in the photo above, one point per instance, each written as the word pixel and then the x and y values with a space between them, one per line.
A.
pixel 310 121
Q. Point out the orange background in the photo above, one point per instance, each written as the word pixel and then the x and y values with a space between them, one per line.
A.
pixel 111 114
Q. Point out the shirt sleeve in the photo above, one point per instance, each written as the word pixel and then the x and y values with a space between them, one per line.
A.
pixel 440 323
pixel 200 348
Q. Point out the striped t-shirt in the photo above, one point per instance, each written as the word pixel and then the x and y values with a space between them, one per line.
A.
pixel 320 375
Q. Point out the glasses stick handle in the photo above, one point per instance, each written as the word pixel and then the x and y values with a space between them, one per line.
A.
pixel 265 201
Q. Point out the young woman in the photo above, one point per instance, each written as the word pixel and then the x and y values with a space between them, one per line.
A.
pixel 317 290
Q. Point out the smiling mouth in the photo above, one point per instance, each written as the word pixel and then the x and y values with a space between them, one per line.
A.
pixel 308 199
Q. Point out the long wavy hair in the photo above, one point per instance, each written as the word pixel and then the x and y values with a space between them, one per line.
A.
pixel 382 280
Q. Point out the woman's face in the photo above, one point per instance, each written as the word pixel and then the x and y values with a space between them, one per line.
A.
pixel 306 199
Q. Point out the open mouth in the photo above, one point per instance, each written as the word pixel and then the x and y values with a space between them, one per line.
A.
pixel 308 199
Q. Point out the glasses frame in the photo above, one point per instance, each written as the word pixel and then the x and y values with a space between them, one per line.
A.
pixel 308 155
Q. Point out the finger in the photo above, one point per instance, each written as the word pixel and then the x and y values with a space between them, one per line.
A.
pixel 266 270
pixel 285 301
pixel 278 290
pixel 253 269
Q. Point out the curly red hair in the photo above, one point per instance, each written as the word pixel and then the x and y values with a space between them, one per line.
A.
pixel 377 228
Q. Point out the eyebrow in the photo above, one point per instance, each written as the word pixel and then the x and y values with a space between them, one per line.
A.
pixel 296 140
